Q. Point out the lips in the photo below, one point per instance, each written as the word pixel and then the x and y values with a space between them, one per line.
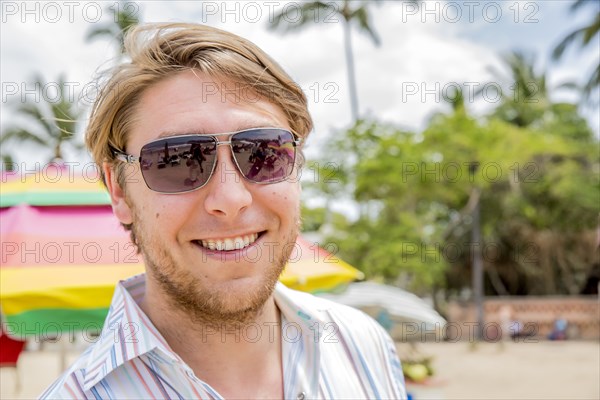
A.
pixel 229 244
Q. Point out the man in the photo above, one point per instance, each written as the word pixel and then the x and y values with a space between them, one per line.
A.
pixel 209 318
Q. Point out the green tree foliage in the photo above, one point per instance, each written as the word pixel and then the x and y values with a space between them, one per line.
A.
pixel 8 163
pixel 524 91
pixel 49 120
pixel 537 186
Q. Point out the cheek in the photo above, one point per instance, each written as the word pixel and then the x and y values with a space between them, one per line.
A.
pixel 285 200
pixel 161 214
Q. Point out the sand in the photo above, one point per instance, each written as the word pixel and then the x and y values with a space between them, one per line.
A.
pixel 543 370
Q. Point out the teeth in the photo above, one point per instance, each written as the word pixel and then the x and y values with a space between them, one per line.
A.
pixel 228 244
pixel 210 244
pixel 239 243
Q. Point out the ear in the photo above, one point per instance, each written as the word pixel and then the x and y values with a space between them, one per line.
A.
pixel 117 195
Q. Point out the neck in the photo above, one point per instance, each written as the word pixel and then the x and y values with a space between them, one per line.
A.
pixel 222 352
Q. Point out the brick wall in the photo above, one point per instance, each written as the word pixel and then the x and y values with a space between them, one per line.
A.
pixel 582 314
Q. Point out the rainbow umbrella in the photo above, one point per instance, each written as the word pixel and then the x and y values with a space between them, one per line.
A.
pixel 52 186
pixel 63 251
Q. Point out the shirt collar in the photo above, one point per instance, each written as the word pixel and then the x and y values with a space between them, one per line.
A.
pixel 300 308
pixel 127 333
pixel 308 315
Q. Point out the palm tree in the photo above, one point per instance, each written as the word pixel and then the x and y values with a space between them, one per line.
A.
pixel 525 100
pixel 319 11
pixel 124 17
pixel 51 122
pixel 8 163
pixel 584 36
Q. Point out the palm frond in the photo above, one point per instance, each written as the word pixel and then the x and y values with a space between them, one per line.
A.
pixel 22 135
pixel 65 117
pixel 78 146
pixel 592 30
pixel 314 11
pixel 55 116
pixel 566 42
pixel 65 127
pixel 592 84
pixel 580 3
pixel 362 17
pixel 102 31
pixel 35 112
pixel 569 85
pixel 8 163
pixel 125 20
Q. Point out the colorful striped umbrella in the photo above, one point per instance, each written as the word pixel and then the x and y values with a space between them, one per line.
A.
pixel 63 251
pixel 52 186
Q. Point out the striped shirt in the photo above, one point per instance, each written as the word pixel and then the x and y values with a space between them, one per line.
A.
pixel 330 351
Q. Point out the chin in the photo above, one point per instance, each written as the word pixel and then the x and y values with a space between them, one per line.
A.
pixel 227 298
pixel 231 301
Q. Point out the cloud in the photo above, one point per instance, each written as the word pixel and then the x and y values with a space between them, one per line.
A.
pixel 415 50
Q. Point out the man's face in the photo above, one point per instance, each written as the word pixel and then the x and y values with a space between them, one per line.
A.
pixel 225 286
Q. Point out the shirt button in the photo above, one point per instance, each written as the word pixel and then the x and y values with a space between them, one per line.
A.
pixel 301 396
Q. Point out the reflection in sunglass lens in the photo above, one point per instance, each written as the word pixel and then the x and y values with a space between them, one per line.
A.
pixel 183 163
pixel 178 164
pixel 264 155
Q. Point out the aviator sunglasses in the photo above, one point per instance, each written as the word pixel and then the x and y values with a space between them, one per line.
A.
pixel 182 163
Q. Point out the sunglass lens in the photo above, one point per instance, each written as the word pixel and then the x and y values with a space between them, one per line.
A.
pixel 178 164
pixel 264 155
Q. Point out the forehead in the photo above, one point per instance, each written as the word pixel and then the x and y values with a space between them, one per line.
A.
pixel 192 102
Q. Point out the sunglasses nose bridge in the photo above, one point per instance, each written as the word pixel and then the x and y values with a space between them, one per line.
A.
pixel 225 151
pixel 226 164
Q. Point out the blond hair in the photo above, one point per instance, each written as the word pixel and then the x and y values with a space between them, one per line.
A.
pixel 158 51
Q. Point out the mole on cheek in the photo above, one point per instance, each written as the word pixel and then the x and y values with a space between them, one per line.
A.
pixel 157 215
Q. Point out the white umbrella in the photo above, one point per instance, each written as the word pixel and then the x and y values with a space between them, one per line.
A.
pixel 402 313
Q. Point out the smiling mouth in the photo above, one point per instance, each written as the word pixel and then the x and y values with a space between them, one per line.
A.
pixel 229 244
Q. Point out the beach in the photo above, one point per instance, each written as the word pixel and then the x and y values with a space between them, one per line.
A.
pixel 536 370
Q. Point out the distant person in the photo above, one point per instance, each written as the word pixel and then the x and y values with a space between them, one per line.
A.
pixel 512 327
pixel 518 330
pixel 505 315
pixel 559 329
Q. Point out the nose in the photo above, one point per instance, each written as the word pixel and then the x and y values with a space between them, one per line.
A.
pixel 228 195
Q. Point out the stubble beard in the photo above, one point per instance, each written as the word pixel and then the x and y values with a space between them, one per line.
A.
pixel 202 304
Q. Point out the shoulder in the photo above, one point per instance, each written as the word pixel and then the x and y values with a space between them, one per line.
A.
pixel 349 334
pixel 70 384
pixel 350 321
pixel 358 330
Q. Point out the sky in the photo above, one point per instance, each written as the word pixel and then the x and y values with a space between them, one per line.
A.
pixel 422 52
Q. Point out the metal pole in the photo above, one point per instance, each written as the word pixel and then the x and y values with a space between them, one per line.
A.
pixel 351 73
pixel 477 262
pixel 477 268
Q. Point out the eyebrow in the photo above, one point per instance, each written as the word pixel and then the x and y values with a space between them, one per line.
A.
pixel 244 125
pixel 190 132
